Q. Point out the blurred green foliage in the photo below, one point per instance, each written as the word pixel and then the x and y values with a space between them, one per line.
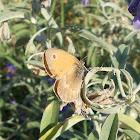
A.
pixel 97 31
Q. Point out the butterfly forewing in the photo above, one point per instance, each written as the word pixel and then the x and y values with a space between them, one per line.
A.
pixel 57 62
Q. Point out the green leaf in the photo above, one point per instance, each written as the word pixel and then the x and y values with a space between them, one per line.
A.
pixel 99 18
pixel 1 6
pixel 52 23
pixel 15 63
pixel 129 80
pixel 36 63
pixel 92 37
pixel 132 134
pixel 107 109
pixel 93 135
pixel 57 130
pixel 120 57
pixel 1 138
pixel 133 72
pixel 71 46
pixel 50 115
pixel 7 15
pixel 31 125
pixel 129 123
pixel 131 34
pixel 91 50
pixel 136 105
pixel 110 128
pixel 73 133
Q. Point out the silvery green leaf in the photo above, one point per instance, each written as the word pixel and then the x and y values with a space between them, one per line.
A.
pixel 1 6
pixel 129 123
pixel 129 80
pixel 36 67
pixel 120 57
pixel 93 135
pixel 7 15
pixel 92 72
pixel 136 105
pixel 60 128
pixel 99 18
pixel 52 23
pixel 72 133
pixel 110 128
pixel 131 34
pixel 50 115
pixel 132 134
pixel 114 107
pixel 30 48
pixel 92 37
pixel 133 72
pixel 71 46
pixel 107 109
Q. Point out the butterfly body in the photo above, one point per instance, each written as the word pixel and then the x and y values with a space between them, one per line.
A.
pixel 68 72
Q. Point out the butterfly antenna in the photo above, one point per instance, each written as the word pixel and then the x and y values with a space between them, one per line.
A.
pixel 84 58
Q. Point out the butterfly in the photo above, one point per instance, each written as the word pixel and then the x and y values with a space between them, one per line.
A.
pixel 68 72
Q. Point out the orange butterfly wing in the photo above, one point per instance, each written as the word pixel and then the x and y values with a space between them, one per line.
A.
pixel 57 62
pixel 68 72
pixel 68 87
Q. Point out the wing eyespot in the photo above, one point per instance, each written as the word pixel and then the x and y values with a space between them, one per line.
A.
pixel 54 56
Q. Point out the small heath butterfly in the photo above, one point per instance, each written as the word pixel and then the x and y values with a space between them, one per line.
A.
pixel 68 72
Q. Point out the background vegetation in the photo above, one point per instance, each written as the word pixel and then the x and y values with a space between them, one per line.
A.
pixel 100 30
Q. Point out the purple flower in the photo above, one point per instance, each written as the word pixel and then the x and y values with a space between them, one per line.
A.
pixel 134 9
pixel 13 102
pixel 85 2
pixel 10 70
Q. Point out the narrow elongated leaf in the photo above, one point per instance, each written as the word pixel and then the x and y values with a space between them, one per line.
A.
pixel 131 34
pixel 15 63
pixel 57 130
pixel 136 105
pixel 92 37
pixel 129 123
pixel 36 63
pixel 129 80
pixel 31 125
pixel 71 46
pixel 120 57
pixel 110 128
pixel 50 115
pixel 99 18
pixel 72 133
pixel 132 134
pixel 7 15
pixel 133 72
pixel 52 23
pixel 93 135
pixel 90 52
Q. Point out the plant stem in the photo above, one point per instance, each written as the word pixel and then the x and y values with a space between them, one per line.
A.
pixel 136 89
pixel 53 7
pixel 62 13
pixel 85 127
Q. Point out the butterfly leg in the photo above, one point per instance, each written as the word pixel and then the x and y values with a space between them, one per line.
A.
pixel 80 108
